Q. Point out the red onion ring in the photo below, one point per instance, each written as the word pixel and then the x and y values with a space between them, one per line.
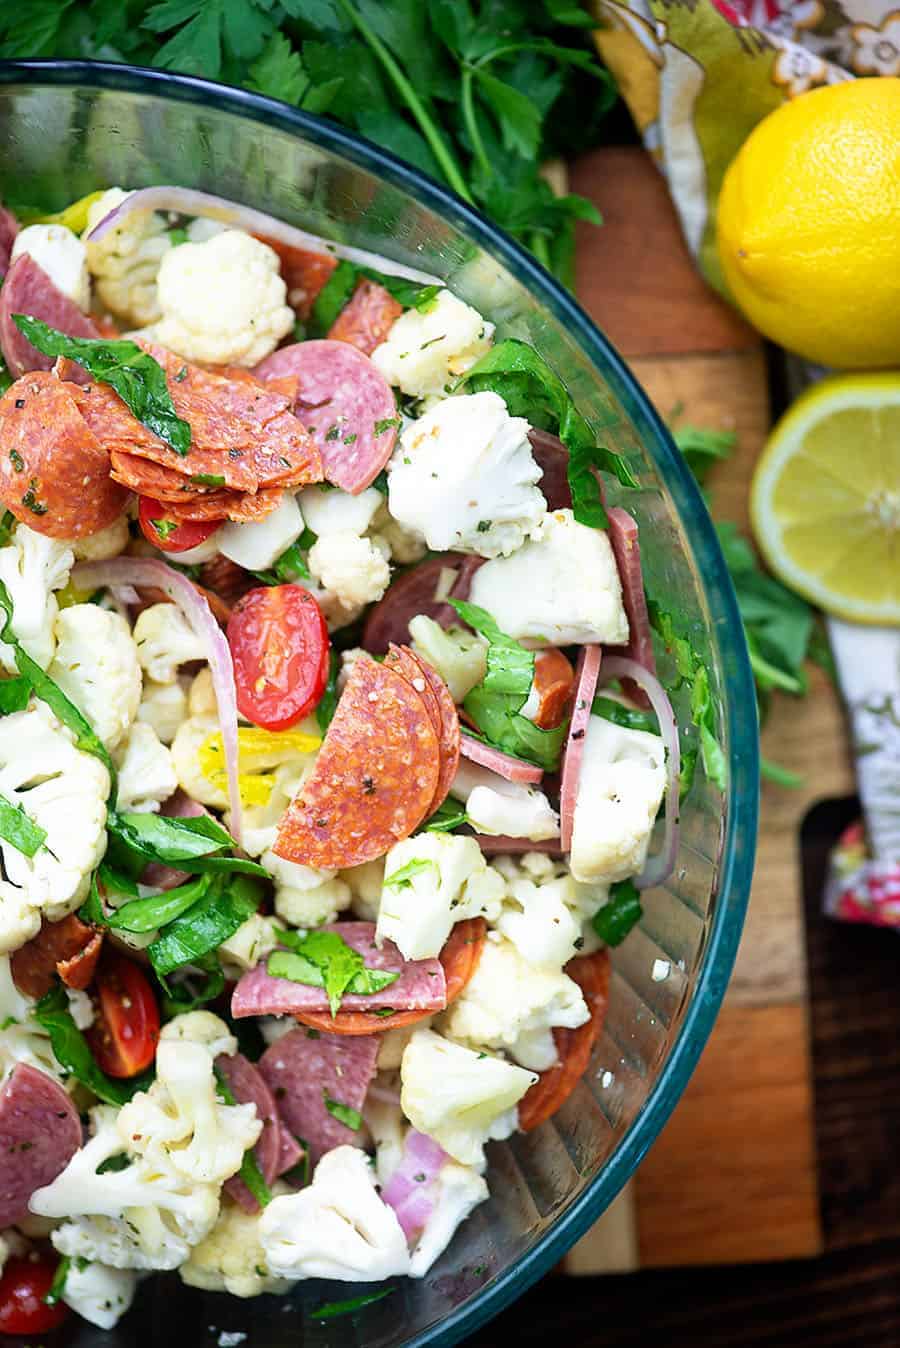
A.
pixel 187 201
pixel 660 866
pixel 147 571
pixel 407 1190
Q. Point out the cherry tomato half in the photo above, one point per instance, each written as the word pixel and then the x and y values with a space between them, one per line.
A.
pixel 170 535
pixel 125 1031
pixel 23 1286
pixel 279 645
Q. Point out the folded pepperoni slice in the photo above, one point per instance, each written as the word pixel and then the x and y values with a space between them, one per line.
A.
pixel 553 1087
pixel 374 778
pixel 346 405
pixel 226 505
pixel 27 289
pixel 35 964
pixel 367 317
pixel 54 473
pixel 449 731
pixel 304 273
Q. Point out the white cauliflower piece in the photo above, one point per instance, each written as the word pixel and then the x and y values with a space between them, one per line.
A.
pixel 231 1258
pixel 501 808
pixel 387 1128
pixel 365 881
pixel 32 566
pixel 201 698
pixel 146 772
pixel 464 476
pixel 459 656
pixel 258 544
pixel 163 707
pixel 101 1295
pixel 561 588
pixel 223 301
pixel 141 1217
pixel 96 666
pixel 352 568
pixel 203 1028
pixel 452 882
pixel 426 352
pixel 181 1124
pixel 304 895
pixel 545 910
pixel 393 1044
pixel 125 262
pixel 513 1006
pixel 253 941
pixel 406 545
pixel 457 1190
pixel 260 823
pixel 620 788
pixel 61 254
pixel 333 511
pixel 21 1038
pixel 102 545
pixel 459 1097
pixel 81 1008
pixel 165 640
pixel 64 792
pixel 337 1227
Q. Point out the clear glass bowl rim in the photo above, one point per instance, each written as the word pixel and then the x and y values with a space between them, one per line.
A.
pixel 737 855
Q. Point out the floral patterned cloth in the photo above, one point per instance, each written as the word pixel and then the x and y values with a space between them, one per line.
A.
pixel 699 74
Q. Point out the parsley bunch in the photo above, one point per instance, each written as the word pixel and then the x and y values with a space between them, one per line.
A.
pixel 477 93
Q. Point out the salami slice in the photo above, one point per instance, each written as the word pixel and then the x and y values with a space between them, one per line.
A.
pixel 35 964
pixel 249 1086
pixel 225 578
pixel 40 1132
pixel 311 1074
pixel 290 1153
pixel 554 1086
pixel 420 987
pixel 498 845
pixel 9 228
pixel 586 676
pixel 623 535
pixel 505 765
pixel 374 778
pixel 410 593
pixel 27 289
pixel 448 731
pixel 552 457
pixel 54 473
pixel 345 404
pixel 367 318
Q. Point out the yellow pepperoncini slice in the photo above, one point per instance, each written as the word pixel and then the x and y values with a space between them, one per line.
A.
pixel 74 217
pixel 258 750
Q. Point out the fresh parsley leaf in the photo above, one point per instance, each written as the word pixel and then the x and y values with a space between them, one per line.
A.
pixel 14 694
pixel 692 673
pixel 619 914
pixel 138 379
pixel 330 1310
pixel 71 1051
pixel 399 879
pixel 349 1117
pixel 278 71
pixel 323 959
pixel 193 845
pixel 208 479
pixel 19 830
pixel 205 925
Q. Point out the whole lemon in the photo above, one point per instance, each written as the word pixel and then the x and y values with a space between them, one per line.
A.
pixel 808 225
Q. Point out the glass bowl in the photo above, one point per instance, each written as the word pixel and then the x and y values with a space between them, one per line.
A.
pixel 68 128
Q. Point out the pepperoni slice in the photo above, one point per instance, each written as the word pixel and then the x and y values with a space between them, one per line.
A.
pixel 78 971
pixel 225 578
pixel 304 273
pixel 586 678
pixel 459 959
pixel 35 964
pixel 449 731
pixel 554 678
pixel 574 1047
pixel 27 289
pixel 374 778
pixel 54 473
pixel 346 405
pixel 367 318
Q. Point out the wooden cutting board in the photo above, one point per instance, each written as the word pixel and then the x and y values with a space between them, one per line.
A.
pixel 732 1177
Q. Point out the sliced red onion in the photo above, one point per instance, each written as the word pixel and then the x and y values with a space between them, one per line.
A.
pixel 186 201
pixel 409 1190
pixel 147 571
pixel 658 867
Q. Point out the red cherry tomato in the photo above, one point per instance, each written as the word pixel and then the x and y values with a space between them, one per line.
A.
pixel 23 1286
pixel 169 535
pixel 279 645
pixel 125 1031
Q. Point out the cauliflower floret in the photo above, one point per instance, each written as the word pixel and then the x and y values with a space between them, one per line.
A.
pixel 165 640
pixel 352 568
pixel 365 881
pixel 96 666
pixel 337 1227
pixel 163 707
pixel 102 545
pixel 337 512
pixel 64 792
pixel 304 895
pixel 143 1216
pixel 406 545
pixel 620 788
pixel 231 1258
pixel 260 823
pixel 101 1295
pixel 560 588
pixel 146 772
pixel 393 1044
pixel 510 1005
pixel 32 567
pixel 426 352
pixel 451 882
pixel 258 544
pixel 459 1097
pixel 456 1191
pixel 125 262
pixel 223 302
pixel 21 1038
pixel 201 1027
pixel 180 1123
pixel 388 1128
pixel 61 254
pixel 501 808
pixel 253 941
pixel 464 476
pixel 459 656
pixel 545 910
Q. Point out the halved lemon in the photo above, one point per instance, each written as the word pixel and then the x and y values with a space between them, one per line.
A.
pixel 825 499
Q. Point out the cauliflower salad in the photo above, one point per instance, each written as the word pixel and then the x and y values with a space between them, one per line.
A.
pixel 333 757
